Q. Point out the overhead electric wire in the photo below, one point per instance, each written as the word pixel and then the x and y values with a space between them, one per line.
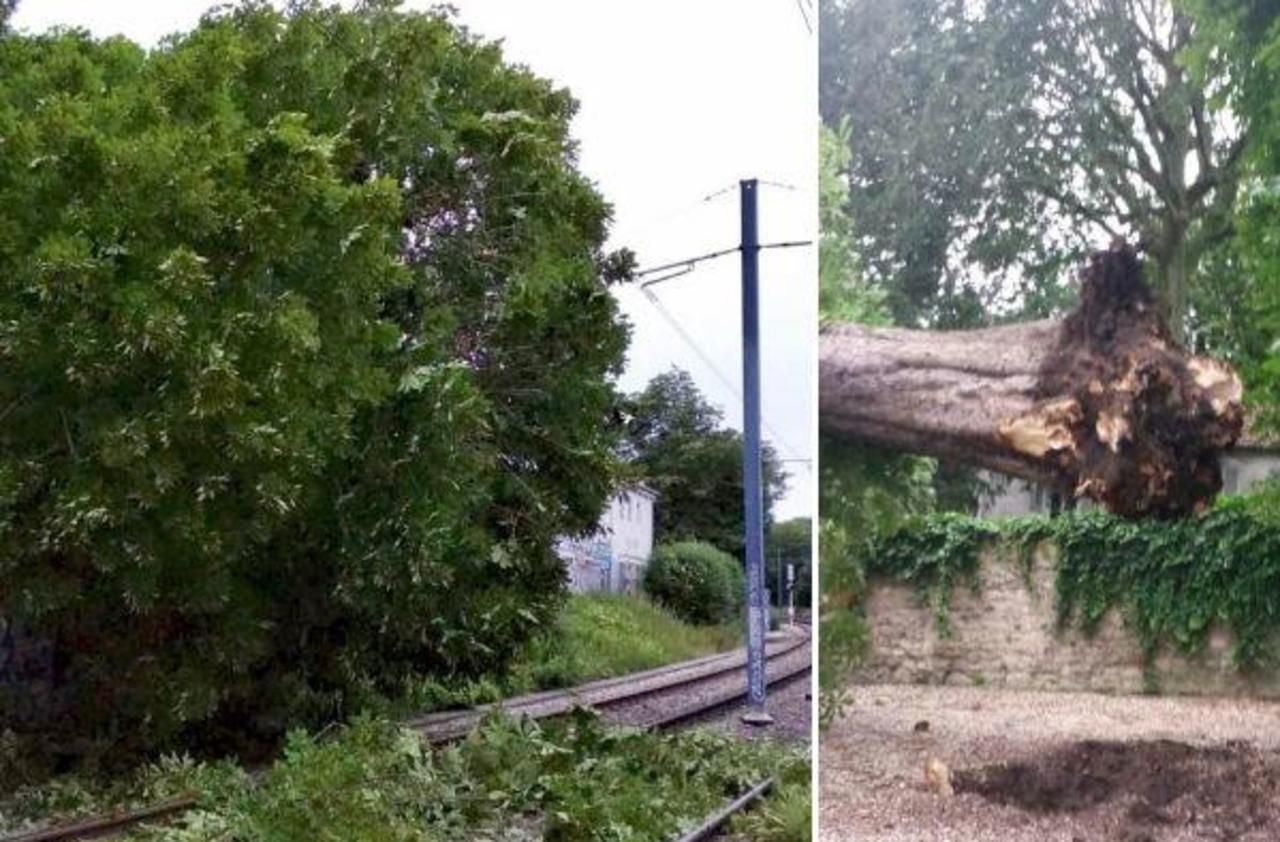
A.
pixel 718 193
pixel 720 375
pixel 684 267
pixel 680 210
pixel 687 265
pixel 804 16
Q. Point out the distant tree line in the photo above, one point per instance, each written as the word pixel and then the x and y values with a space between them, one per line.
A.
pixel 677 441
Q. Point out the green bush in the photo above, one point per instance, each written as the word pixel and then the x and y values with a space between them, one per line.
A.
pixel 305 359
pixel 700 583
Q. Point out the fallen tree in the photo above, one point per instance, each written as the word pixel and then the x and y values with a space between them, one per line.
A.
pixel 1102 404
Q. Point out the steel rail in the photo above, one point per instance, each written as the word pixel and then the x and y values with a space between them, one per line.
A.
pixel 118 821
pixel 438 728
pixel 721 700
pixel 103 826
pixel 715 820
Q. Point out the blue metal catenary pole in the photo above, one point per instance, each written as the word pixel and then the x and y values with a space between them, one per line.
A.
pixel 753 497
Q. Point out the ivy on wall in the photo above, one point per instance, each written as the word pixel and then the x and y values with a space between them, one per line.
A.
pixel 1172 580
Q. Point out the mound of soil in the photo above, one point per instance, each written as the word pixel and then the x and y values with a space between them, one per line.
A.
pixel 1222 791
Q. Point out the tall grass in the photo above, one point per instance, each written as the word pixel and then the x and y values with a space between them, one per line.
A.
pixel 785 816
pixel 603 635
pixel 596 636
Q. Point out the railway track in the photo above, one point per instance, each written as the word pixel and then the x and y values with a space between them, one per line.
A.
pixel 701 679
pixel 610 694
pixel 694 700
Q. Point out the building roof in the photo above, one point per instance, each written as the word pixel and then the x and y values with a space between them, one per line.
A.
pixel 637 488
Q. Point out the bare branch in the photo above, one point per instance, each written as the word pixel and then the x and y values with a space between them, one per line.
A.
pixel 1216 176
pixel 1203 135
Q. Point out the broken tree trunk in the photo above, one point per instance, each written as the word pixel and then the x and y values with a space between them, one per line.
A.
pixel 1101 404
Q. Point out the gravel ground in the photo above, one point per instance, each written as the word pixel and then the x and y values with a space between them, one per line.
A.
pixel 872 787
pixel 788 703
pixel 666 702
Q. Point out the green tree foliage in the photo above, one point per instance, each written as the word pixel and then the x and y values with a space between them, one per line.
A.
pixel 305 358
pixel 674 436
pixel 698 582
pixel 789 542
pixel 994 143
pixel 1241 40
pixel 861 490
pixel 843 292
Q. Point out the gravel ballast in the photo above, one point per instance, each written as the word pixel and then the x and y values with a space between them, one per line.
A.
pixel 1041 767
pixel 691 697
pixel 789 703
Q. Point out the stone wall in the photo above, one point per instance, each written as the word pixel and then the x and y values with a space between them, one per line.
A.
pixel 1006 636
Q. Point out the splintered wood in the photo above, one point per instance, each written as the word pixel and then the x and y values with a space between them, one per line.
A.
pixel 937 777
pixel 1102 404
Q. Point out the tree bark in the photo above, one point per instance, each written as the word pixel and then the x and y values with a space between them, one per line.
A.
pixel 1101 404
pixel 1170 253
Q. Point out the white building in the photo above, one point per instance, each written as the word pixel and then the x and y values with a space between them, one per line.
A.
pixel 613 558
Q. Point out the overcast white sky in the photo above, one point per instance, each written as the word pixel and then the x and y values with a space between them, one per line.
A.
pixel 678 101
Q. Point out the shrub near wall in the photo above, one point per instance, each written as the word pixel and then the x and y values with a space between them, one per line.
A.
pixel 1171 580
pixel 698 582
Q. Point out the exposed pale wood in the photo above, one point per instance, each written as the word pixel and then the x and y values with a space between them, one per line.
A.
pixel 934 393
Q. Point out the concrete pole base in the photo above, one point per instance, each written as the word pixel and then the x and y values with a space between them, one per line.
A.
pixel 757 718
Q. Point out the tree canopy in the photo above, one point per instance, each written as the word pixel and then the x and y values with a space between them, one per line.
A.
pixel 995 144
pixel 991 145
pixel 1241 40
pixel 307 354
